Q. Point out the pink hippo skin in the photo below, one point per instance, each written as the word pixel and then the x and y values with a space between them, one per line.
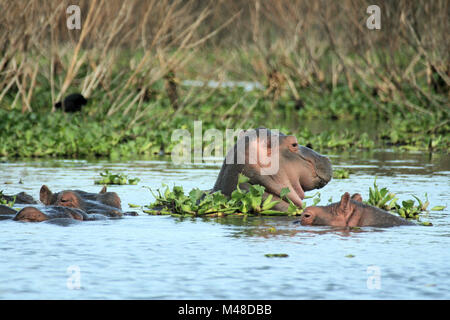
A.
pixel 299 168
pixel 350 213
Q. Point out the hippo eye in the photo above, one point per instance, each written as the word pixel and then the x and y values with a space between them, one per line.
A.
pixel 64 200
pixel 306 215
pixel 295 145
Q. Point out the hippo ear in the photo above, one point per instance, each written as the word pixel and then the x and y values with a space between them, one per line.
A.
pixel 357 197
pixel 45 195
pixel 345 206
pixel 103 190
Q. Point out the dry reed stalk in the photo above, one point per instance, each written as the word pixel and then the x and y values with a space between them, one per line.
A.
pixel 296 38
pixel 76 63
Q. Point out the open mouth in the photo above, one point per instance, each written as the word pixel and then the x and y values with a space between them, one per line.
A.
pixel 299 190
pixel 297 193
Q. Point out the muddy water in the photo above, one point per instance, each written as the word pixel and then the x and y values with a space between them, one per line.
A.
pixel 160 257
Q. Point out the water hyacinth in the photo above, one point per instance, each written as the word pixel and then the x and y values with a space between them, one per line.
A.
pixel 203 203
pixel 7 202
pixel 244 202
pixel 386 200
pixel 341 174
pixel 116 178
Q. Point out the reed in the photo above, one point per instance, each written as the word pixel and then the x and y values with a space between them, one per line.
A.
pixel 127 50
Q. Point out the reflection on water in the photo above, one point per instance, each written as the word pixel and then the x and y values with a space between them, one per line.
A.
pixel 273 227
pixel 160 257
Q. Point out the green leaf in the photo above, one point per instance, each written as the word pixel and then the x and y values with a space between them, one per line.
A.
pixel 383 192
pixel 408 204
pixel 133 205
pixel 257 190
pixel 274 213
pixel 195 195
pixel 316 201
pixel 242 179
pixel 284 192
pixel 269 204
pixel 317 194
pixel 237 195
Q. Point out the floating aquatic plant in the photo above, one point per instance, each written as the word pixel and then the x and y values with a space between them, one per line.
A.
pixel 407 209
pixel 276 255
pixel 5 202
pixel 203 203
pixel 250 201
pixel 341 173
pixel 115 178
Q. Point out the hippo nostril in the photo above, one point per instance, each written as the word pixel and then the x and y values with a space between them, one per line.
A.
pixel 324 171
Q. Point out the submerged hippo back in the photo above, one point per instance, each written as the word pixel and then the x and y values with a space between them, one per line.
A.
pixel 6 212
pixel 376 217
pixel 108 198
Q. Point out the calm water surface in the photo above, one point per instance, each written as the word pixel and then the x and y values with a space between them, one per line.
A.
pixel 160 257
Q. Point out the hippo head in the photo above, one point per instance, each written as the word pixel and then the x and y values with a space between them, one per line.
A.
pixel 66 198
pixel 32 214
pixel 78 198
pixel 337 214
pixel 293 166
pixel 107 203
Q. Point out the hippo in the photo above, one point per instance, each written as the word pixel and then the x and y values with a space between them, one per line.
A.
pixel 6 212
pixel 350 212
pixel 34 214
pixel 68 204
pixel 299 168
pixel 106 203
pixel 39 213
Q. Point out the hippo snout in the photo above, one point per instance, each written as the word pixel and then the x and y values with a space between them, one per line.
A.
pixel 324 170
pixel 321 165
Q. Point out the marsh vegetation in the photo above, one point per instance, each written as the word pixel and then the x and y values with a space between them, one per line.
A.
pixel 312 61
